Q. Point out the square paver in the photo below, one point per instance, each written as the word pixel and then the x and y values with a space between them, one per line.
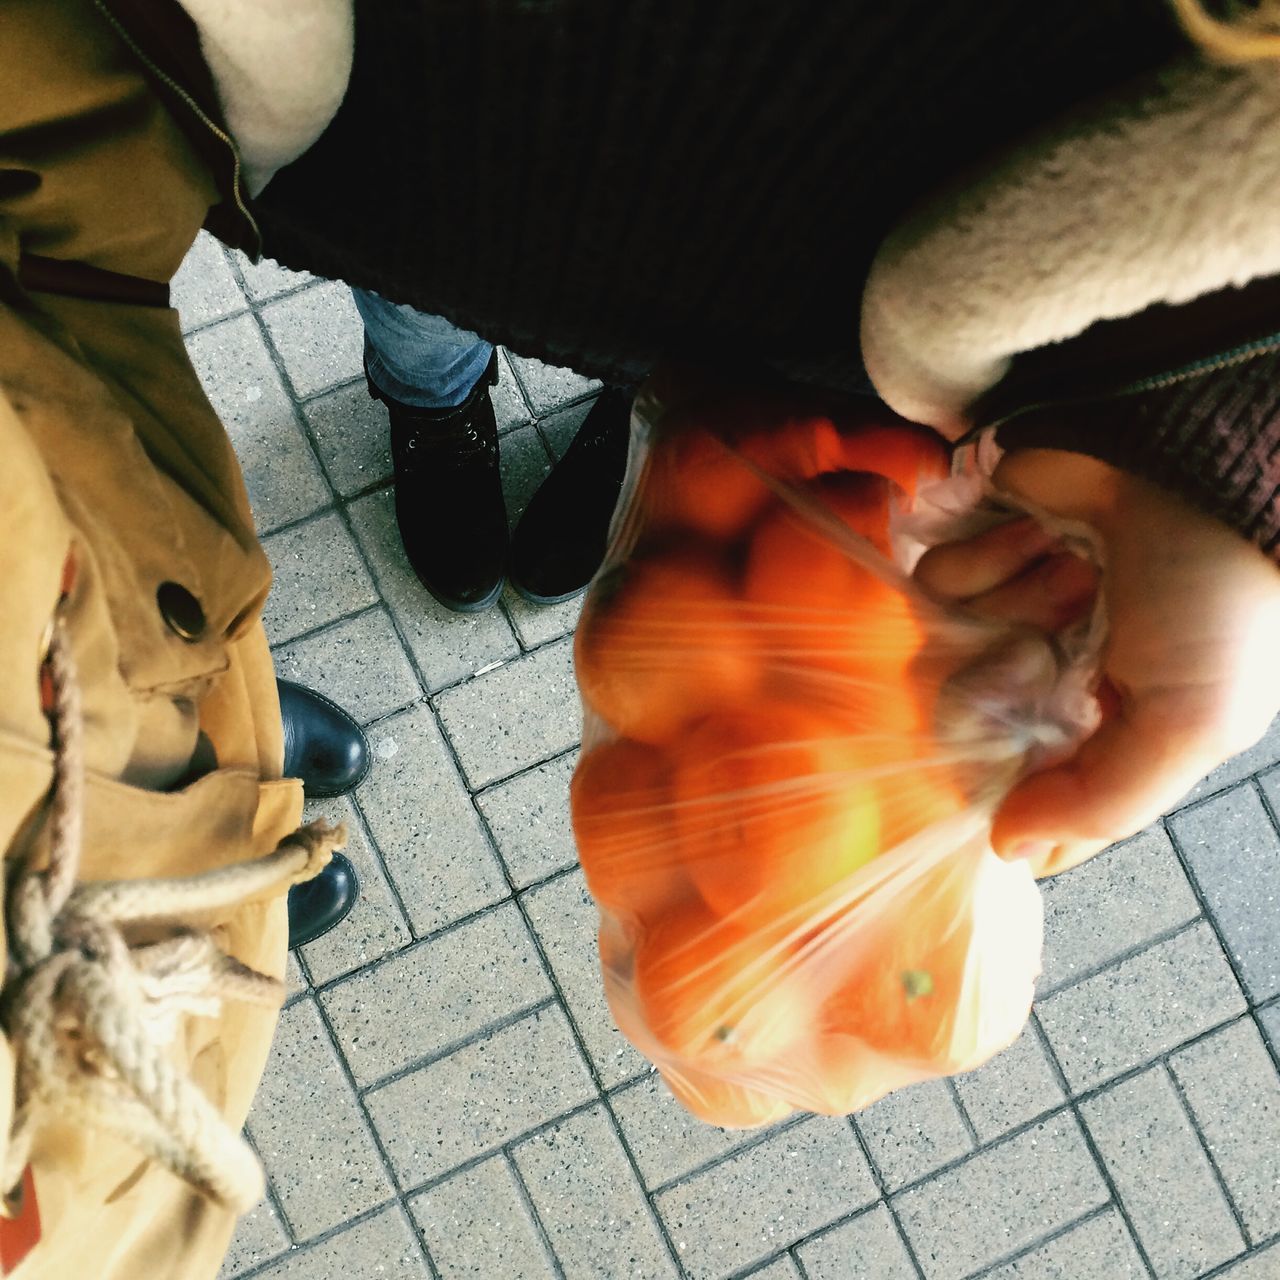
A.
pixel 565 918
pixel 319 336
pixel 560 427
pixel 352 437
pixel 477 1224
pixel 258 1238
pixel 446 646
pixel 1231 1085
pixel 912 1132
pixel 295 981
pixel 1163 1175
pixel 440 992
pixel 1015 1086
pixel 430 836
pixel 1233 851
pixel 375 925
pixel 667 1141
pixel 529 818
pixel 525 465
pixel 1111 904
pixel 548 387
pixel 266 278
pixel 761 1201
pixel 280 471
pixel 510 408
pixel 358 663
pixel 381 1247
pixel 1002 1199
pixel 1099 1248
pixel 868 1246
pixel 1262 755
pixel 205 288
pixel 305 1123
pixel 539 624
pixel 1144 1006
pixel 1263 1265
pixel 1270 1021
pixel 317 576
pixel 515 716
pixel 593 1208
pixel 781 1269
pixel 481 1096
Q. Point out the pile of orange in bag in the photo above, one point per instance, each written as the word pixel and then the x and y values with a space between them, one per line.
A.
pixel 782 809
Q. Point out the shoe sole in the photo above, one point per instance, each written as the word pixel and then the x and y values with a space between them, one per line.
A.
pixel 533 598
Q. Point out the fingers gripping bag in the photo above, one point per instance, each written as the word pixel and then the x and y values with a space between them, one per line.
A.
pixel 792 757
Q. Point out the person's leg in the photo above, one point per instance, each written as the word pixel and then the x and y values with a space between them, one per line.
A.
pixel 435 380
pixel 419 360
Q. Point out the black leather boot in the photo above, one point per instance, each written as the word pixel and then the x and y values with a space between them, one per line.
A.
pixel 322 744
pixel 449 506
pixel 560 540
pixel 319 904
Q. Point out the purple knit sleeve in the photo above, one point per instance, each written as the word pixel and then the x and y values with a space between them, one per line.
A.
pixel 1214 439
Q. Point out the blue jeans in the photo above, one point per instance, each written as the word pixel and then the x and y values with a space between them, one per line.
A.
pixel 418 359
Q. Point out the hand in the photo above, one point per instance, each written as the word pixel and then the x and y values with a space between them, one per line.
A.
pixel 1191 672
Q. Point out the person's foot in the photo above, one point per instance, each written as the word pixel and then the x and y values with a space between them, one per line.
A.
pixel 320 904
pixel 561 538
pixel 453 521
pixel 322 744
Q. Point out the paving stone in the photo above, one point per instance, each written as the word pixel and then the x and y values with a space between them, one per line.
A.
pixel 268 279
pixel 258 1238
pixel 782 1269
pixel 529 818
pixel 358 663
pixel 1270 1020
pixel 1112 903
pixel 1002 1199
pixel 765 1199
pixel 380 1247
pixel 375 925
pixel 425 826
pixel 666 1140
pixel 1149 1003
pixel 480 1097
pixel 317 576
pixel 352 436
pixel 319 336
pixel 280 471
pixel 477 1224
pixel 1265 753
pixel 913 1131
pixel 1231 1085
pixel 423 1000
pixel 205 288
pixel 559 428
pixel 1100 1248
pixel 525 465
pixel 1015 1086
pixel 1233 851
pixel 566 921
pixel 1162 1175
pixel 295 981
pixel 322 1159
pixel 446 646
pixel 537 624
pixel 515 716
pixel 510 408
pixel 548 387
pixel 868 1246
pixel 587 1197
pixel 1263 1265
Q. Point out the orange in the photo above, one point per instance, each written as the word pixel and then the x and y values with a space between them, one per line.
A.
pixel 621 804
pixel 712 992
pixel 722 1102
pixel 770 811
pixel 909 455
pixel 662 641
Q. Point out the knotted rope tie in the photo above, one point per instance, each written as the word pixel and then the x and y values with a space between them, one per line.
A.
pixel 89 1018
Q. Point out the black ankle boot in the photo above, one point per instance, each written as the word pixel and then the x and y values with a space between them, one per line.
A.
pixel 322 744
pixel 449 506
pixel 320 904
pixel 560 540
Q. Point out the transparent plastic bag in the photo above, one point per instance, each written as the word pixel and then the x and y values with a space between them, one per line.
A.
pixel 791 759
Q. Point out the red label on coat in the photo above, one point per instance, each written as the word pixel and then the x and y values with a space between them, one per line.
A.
pixel 19 1234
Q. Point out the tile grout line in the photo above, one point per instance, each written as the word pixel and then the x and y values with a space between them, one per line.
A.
pixel 272 1196
pixel 1073 1102
pixel 1271 1242
pixel 1057 1233
pixel 963 1111
pixel 801 1270
pixel 885 1199
pixel 1193 1122
pixel 759 1138
pixel 315 632
pixel 544 1236
pixel 320 1238
pixel 375 852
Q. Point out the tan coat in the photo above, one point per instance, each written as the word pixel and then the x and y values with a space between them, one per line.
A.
pixel 109 449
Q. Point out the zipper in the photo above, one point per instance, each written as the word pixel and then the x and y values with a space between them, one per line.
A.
pixel 1228 359
pixel 218 132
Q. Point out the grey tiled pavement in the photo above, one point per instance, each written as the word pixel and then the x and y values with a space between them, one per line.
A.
pixel 447 1096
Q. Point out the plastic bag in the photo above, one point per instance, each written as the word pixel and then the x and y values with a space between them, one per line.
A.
pixel 791 759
